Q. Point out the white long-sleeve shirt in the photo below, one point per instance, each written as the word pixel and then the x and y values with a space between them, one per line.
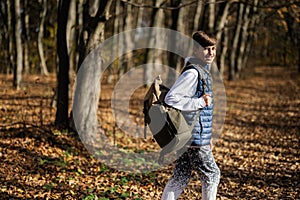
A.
pixel 182 93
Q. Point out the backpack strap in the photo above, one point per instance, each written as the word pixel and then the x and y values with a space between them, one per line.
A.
pixel 200 75
pixel 163 152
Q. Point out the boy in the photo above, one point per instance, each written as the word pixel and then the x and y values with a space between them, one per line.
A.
pixel 184 96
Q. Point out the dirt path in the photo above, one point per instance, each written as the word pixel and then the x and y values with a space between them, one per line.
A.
pixel 258 151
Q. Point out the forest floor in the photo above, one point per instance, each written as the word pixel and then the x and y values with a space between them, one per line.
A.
pixel 257 152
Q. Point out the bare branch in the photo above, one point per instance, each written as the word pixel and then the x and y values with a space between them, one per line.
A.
pixel 270 4
pixel 160 7
pixel 246 2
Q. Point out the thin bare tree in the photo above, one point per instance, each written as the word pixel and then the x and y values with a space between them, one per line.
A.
pixel 43 14
pixel 62 114
pixel 235 42
pixel 26 36
pixel 19 49
pixel 71 35
pixel 10 37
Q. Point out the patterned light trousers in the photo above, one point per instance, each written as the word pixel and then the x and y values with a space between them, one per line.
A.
pixel 202 161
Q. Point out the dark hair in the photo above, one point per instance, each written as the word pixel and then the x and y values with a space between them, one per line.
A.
pixel 204 39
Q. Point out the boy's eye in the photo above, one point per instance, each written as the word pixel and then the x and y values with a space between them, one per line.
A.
pixel 210 48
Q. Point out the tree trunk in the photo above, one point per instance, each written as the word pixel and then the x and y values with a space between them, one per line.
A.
pixel 222 29
pixel 252 31
pixel 128 41
pixel 97 33
pixel 176 24
pixel 154 55
pixel 26 41
pixel 222 20
pixel 79 28
pixel 292 21
pixel 44 69
pixel 92 34
pixel 87 91
pixel 211 15
pixel 234 49
pixel 71 36
pixel 198 15
pixel 10 37
pixel 139 22
pixel 223 52
pixel 243 39
pixel 118 28
pixel 19 49
pixel 61 119
pixel 182 26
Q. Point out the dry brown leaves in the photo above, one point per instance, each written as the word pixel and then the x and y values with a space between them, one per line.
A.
pixel 258 151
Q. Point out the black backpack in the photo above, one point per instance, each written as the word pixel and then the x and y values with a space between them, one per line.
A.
pixel 167 124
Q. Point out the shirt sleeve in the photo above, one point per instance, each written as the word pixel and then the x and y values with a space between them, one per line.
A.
pixel 182 93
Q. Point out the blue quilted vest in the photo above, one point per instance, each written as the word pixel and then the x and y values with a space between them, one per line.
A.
pixel 202 132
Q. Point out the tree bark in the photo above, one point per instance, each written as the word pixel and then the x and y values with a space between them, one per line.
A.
pixel 10 37
pixel 198 15
pixel 139 22
pixel 19 49
pixel 43 14
pixel 61 119
pixel 154 55
pixel 182 27
pixel 251 31
pixel 211 15
pixel 234 48
pixel 118 28
pixel 128 41
pixel 80 28
pixel 97 33
pixel 175 18
pixel 222 20
pixel 95 14
pixel 223 52
pixel 71 36
pixel 292 21
pixel 243 39
pixel 221 29
pixel 27 37
pixel 87 91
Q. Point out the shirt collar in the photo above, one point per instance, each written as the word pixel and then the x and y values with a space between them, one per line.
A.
pixel 195 60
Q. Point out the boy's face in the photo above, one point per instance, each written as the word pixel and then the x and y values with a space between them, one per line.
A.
pixel 206 54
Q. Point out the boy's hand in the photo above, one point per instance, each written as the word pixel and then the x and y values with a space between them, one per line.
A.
pixel 207 99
